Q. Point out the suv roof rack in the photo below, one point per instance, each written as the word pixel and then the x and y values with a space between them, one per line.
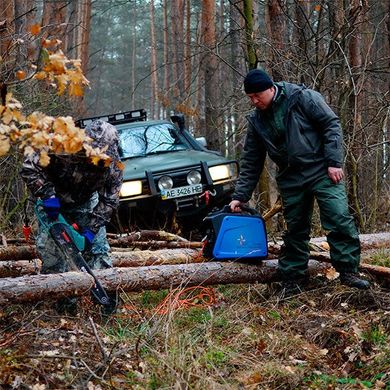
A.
pixel 115 119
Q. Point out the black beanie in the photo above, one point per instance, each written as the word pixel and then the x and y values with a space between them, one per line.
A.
pixel 257 81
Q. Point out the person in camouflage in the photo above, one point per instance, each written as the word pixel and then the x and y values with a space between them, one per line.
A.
pixel 83 192
pixel 302 135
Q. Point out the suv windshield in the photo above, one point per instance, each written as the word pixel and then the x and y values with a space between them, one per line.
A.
pixel 143 140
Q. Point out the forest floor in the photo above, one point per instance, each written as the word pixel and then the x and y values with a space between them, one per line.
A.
pixel 249 337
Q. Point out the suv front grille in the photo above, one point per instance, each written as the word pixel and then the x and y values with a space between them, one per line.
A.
pixel 179 176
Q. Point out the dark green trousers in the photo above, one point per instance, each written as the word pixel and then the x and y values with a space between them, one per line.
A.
pixel 342 234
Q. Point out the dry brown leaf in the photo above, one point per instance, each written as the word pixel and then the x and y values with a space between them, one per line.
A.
pixel 20 75
pixel 331 274
pixel 35 29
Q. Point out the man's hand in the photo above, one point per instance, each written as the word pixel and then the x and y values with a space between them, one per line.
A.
pixel 235 206
pixel 335 174
pixel 52 207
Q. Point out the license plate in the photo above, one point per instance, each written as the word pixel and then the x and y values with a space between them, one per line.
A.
pixel 181 191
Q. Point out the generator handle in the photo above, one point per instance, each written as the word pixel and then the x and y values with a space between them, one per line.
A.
pixel 247 209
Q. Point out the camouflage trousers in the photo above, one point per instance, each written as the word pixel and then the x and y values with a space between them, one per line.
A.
pixel 97 256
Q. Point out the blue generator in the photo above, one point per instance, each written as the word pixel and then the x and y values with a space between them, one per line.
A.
pixel 238 236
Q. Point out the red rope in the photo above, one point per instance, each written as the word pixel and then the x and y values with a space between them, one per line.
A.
pixel 196 296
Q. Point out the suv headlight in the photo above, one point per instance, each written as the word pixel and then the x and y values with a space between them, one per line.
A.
pixel 131 188
pixel 194 177
pixel 223 172
pixel 165 183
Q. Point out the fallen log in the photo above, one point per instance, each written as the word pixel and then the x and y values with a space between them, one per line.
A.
pixel 18 268
pixel 367 241
pixel 169 256
pixel 162 256
pixel 119 259
pixel 26 252
pixel 161 245
pixel 145 235
pixel 39 287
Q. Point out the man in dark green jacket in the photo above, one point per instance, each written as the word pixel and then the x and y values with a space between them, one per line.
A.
pixel 303 136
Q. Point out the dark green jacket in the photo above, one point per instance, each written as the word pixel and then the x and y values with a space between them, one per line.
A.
pixel 313 140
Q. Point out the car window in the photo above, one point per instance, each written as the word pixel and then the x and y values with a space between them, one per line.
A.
pixel 149 139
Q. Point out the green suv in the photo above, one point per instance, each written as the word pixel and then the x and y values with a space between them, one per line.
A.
pixel 167 172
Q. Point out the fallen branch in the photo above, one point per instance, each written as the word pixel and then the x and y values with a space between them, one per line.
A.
pixel 39 287
pixel 276 208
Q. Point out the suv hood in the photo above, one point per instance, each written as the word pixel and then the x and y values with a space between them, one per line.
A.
pixel 135 167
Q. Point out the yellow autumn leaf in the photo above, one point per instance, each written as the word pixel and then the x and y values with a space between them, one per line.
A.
pixel 62 81
pixel 40 139
pixel 28 151
pixel 4 129
pixel 40 75
pixel 72 145
pixel 44 159
pixel 56 63
pixel 50 42
pixel 76 90
pixel 7 116
pixel 95 160
pixel 4 145
pixel 11 102
pixel 39 120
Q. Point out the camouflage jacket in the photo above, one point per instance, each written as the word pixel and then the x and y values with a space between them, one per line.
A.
pixel 74 180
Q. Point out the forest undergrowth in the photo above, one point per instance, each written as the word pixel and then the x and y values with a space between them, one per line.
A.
pixel 249 337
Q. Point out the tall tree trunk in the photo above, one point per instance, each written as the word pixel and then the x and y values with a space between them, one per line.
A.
pixel 177 25
pixel 54 19
pixel 24 19
pixel 237 72
pixel 153 65
pixel 354 103
pixel 7 30
pixel 133 55
pixel 276 29
pixel 85 33
pixel 187 51
pixel 211 76
pixel 165 97
pixel 249 35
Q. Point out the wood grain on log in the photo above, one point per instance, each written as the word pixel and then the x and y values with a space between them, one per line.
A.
pixel 13 252
pixel 39 287
pixel 145 235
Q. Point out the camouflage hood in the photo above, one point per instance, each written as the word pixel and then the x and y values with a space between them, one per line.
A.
pixel 104 134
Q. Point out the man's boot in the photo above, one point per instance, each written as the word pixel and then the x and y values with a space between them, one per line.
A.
pixel 352 279
pixel 293 286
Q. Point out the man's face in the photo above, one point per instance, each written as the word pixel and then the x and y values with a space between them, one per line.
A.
pixel 262 100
